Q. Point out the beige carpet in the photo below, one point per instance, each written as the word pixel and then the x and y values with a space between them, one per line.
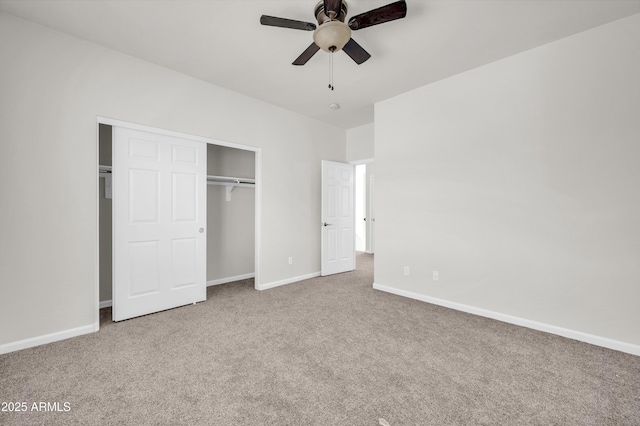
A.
pixel 326 351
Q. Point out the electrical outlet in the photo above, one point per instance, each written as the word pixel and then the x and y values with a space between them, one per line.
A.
pixel 407 271
pixel 436 275
pixel 290 260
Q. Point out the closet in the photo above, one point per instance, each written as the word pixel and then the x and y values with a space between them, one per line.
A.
pixel 230 214
pixel 105 207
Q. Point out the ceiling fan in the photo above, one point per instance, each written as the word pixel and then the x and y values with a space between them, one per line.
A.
pixel 332 33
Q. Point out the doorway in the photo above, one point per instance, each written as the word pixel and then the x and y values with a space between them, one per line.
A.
pixel 365 206
pixel 361 207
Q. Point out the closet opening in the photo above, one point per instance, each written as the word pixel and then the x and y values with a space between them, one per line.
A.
pixel 231 213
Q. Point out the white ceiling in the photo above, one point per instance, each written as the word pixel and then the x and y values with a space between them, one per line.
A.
pixel 222 42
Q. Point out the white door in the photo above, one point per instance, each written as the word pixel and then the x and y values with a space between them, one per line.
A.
pixel 159 219
pixel 338 218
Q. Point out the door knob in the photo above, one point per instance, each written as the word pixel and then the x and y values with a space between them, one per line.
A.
pixel 326 224
pixel 201 230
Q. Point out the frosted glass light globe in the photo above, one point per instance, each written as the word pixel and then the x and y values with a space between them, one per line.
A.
pixel 332 36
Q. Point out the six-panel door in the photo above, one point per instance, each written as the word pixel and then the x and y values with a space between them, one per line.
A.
pixel 159 219
pixel 338 218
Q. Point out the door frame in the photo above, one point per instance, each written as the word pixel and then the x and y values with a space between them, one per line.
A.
pixel 128 125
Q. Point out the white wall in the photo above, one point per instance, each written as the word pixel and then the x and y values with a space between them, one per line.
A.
pixel 518 182
pixel 53 87
pixel 360 144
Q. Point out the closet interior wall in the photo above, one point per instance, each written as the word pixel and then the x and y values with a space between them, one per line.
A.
pixel 230 224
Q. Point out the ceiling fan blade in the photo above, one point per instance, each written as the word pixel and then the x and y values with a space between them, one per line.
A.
pixel 383 14
pixel 307 54
pixel 332 6
pixel 356 52
pixel 274 21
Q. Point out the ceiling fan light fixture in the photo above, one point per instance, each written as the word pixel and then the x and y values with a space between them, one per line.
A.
pixel 331 36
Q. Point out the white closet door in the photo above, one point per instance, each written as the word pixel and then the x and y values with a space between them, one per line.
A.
pixel 338 218
pixel 159 219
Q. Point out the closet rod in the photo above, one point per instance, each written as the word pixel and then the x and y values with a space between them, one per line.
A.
pixel 231 183
pixel 226 180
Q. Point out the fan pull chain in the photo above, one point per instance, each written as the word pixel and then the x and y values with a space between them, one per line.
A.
pixel 331 69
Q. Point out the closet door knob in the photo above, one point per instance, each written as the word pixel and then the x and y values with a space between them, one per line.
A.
pixel 201 230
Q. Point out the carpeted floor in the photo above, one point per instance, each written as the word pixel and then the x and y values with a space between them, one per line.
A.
pixel 326 351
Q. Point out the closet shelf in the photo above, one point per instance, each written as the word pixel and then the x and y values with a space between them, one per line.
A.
pixel 230 183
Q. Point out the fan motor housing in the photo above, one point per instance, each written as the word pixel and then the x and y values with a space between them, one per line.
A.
pixel 331 34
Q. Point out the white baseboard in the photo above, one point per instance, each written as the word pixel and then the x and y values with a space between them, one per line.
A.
pixel 548 328
pixel 47 338
pixel 287 281
pixel 230 279
pixel 105 304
